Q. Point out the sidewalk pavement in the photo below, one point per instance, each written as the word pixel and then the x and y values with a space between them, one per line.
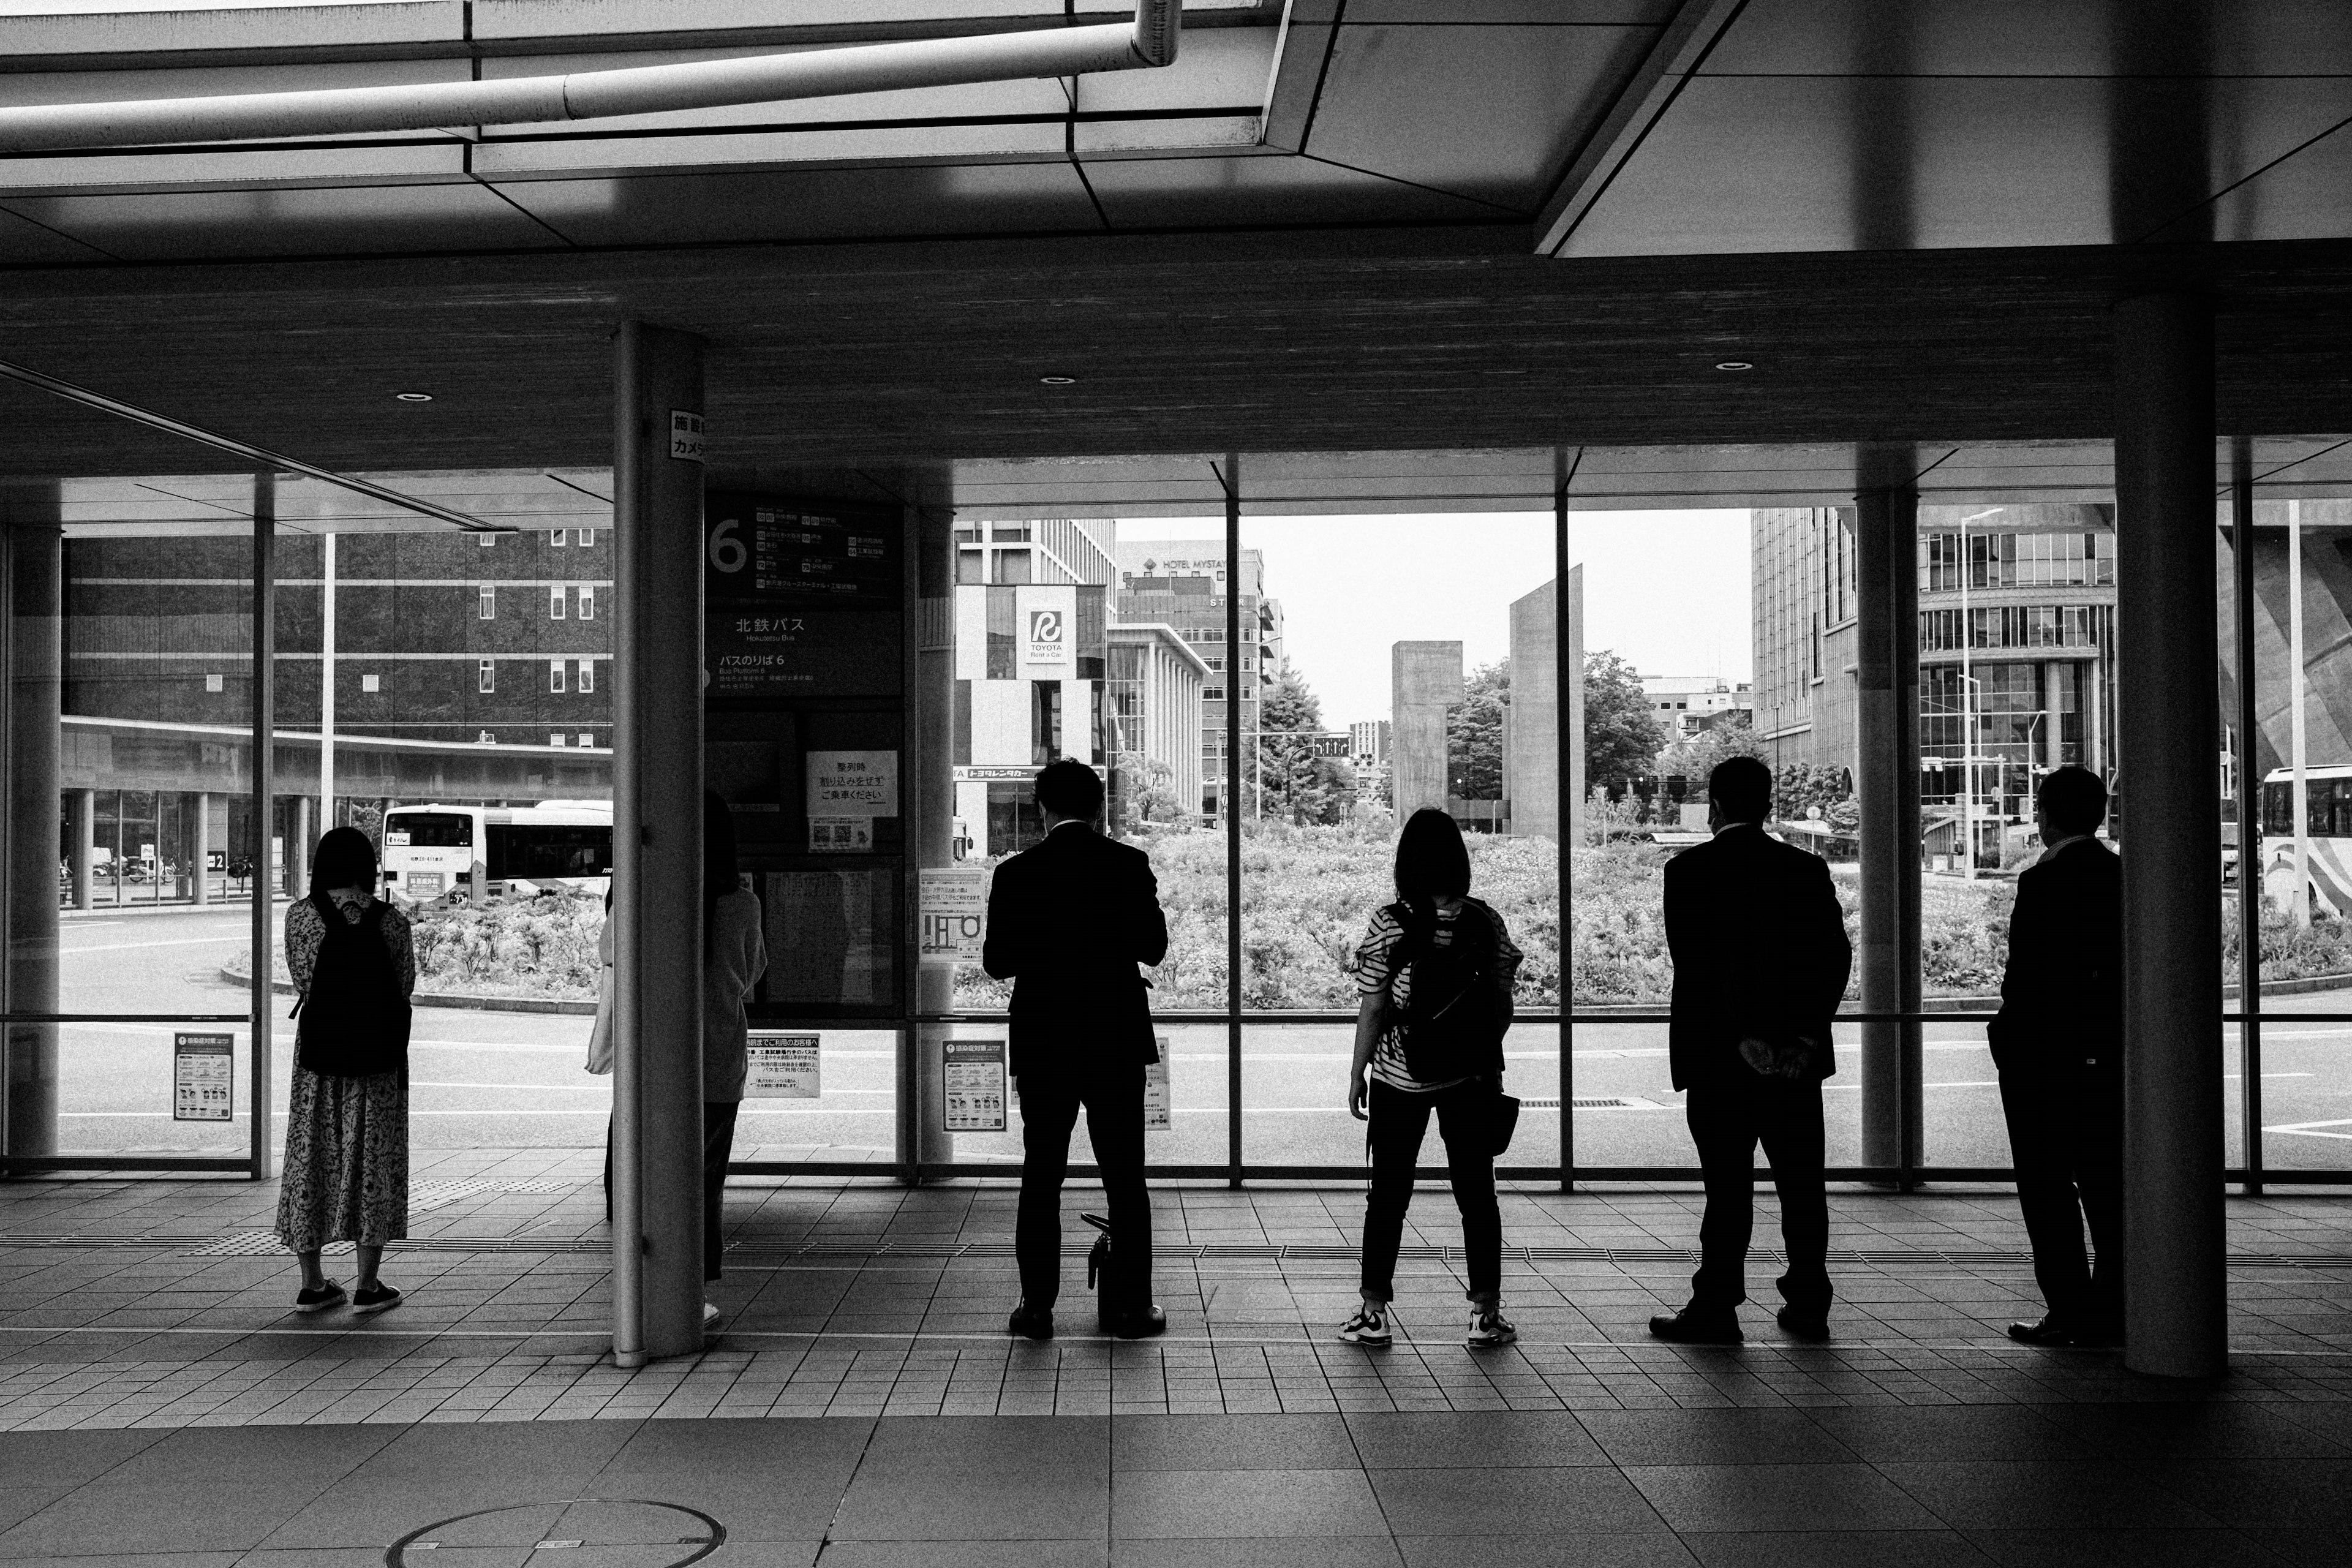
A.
pixel 863 1405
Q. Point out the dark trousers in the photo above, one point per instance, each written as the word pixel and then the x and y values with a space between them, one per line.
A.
pixel 1729 1115
pixel 1400 1120
pixel 717 1142
pixel 1113 1098
pixel 2066 1140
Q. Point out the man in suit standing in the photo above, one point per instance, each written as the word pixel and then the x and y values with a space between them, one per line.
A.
pixel 1068 921
pixel 2057 1044
pixel 1761 962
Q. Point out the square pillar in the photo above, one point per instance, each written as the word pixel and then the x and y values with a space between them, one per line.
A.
pixel 81 826
pixel 200 850
pixel 2168 722
pixel 1425 680
pixel 656 1140
pixel 34 572
pixel 1886 569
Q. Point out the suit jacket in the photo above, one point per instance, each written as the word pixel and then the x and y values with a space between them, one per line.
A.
pixel 1068 919
pixel 1759 945
pixel 2061 996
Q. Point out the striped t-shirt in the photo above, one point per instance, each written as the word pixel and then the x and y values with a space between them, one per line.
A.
pixel 1374 975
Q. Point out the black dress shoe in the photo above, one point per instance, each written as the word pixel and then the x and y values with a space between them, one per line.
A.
pixel 1140 1324
pixel 1805 1325
pixel 2050 1330
pixel 1696 1326
pixel 1033 1323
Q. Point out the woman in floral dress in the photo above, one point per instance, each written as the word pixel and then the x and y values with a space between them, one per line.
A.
pixel 346 1173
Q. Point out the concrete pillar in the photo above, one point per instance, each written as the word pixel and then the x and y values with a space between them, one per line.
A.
pixel 1425 680
pixel 2167 726
pixel 36 667
pixel 298 850
pixel 81 814
pixel 931 730
pixel 1531 727
pixel 2053 718
pixel 657 844
pixel 1887 570
pixel 200 849
pixel 1572 661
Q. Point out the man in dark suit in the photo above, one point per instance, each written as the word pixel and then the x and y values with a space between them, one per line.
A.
pixel 1761 962
pixel 2057 1044
pixel 1068 921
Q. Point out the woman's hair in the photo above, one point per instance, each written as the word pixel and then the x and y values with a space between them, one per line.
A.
pixel 343 858
pixel 1432 860
pixel 719 873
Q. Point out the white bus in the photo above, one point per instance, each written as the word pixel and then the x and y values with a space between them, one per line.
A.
pixel 431 851
pixel 2329 828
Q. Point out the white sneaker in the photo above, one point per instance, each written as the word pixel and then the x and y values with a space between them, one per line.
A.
pixel 1369 1326
pixel 1489 1328
pixel 709 1313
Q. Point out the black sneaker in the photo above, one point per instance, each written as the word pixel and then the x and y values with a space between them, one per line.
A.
pixel 1031 1322
pixel 325 1296
pixel 376 1298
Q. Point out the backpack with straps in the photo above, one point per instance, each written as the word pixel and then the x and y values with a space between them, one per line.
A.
pixel 1453 1018
pixel 353 1022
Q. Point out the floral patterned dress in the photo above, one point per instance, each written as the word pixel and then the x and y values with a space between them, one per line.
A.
pixel 346 1173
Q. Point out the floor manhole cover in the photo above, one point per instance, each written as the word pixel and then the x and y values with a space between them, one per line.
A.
pixel 588 1532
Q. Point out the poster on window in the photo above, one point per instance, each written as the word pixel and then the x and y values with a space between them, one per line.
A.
pixel 952 913
pixel 1158 1109
pixel 972 1086
pixel 782 1067
pixel 203 1078
pixel 847 792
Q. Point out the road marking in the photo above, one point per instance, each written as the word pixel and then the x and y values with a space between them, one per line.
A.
pixel 175 941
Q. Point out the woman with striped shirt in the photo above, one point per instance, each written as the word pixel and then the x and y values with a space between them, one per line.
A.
pixel 1434 912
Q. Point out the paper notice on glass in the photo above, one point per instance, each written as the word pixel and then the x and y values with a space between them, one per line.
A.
pixel 1156 1107
pixel 782 1067
pixel 841 835
pixel 953 908
pixel 972 1087
pixel 203 1078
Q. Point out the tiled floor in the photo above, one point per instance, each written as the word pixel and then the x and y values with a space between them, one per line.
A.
pixel 151 1380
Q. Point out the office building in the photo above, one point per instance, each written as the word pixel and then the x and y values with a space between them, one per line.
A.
pixel 1182 583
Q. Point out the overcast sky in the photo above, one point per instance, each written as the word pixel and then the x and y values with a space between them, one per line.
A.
pixel 1669 590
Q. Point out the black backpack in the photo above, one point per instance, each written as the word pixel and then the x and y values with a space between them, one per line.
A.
pixel 1452 1025
pixel 354 1022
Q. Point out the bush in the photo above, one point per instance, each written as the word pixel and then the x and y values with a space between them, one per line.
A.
pixel 542 947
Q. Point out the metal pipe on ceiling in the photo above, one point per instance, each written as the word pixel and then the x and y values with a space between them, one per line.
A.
pixel 1148 43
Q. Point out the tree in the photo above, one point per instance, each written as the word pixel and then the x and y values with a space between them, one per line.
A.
pixel 1800 786
pixel 1144 791
pixel 1622 735
pixel 1295 781
pixel 1474 733
pixel 1731 735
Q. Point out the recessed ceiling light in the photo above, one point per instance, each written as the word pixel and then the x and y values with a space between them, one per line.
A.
pixel 413 396
pixel 1058 380
pixel 1733 365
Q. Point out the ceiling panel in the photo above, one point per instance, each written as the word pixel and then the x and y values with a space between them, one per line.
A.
pixel 355 218
pixel 2307 196
pixel 1486 111
pixel 1266 189
pixel 1515 13
pixel 811 204
pixel 2036 37
pixel 24 241
pixel 1758 164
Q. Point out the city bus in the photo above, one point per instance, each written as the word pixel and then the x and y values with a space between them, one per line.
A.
pixel 2329 830
pixel 430 851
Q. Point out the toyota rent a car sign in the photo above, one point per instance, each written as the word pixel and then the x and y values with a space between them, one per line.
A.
pixel 1049 637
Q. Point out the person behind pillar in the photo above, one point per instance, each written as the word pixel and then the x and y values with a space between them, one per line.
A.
pixel 1068 922
pixel 734 956
pixel 2057 1045
pixel 1760 960
pixel 346 1169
